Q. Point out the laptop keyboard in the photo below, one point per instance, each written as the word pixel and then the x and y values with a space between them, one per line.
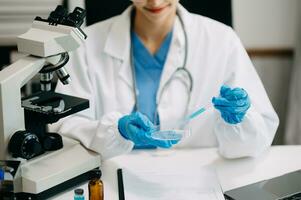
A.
pixel 293 197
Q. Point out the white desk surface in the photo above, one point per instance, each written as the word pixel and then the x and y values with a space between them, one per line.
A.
pixel 276 161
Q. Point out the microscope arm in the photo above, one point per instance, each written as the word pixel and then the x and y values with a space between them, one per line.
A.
pixel 12 78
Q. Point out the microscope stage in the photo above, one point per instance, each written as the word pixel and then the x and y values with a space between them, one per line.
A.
pixel 51 106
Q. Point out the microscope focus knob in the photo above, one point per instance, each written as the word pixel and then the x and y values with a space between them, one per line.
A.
pixel 25 145
pixel 32 147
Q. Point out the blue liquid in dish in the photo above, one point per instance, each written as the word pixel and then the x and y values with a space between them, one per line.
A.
pixel 167 135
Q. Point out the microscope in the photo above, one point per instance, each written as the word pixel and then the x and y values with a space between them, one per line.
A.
pixel 50 163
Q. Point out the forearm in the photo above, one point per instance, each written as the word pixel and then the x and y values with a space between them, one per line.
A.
pixel 101 136
pixel 249 138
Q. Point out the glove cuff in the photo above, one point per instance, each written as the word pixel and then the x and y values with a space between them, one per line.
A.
pixel 121 129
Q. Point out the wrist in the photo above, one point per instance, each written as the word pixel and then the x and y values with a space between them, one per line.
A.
pixel 122 130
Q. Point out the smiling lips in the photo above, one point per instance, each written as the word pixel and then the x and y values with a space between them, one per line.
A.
pixel 156 10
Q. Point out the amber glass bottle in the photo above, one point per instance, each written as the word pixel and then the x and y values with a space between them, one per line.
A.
pixel 95 186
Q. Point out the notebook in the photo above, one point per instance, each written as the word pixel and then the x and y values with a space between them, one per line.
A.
pixel 166 184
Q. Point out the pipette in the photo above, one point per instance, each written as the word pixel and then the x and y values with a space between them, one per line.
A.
pixel 195 114
pixel 173 133
pixel 191 116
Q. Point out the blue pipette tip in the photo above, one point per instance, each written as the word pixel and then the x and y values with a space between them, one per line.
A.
pixel 196 113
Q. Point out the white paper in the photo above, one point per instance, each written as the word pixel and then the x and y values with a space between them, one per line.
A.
pixel 166 184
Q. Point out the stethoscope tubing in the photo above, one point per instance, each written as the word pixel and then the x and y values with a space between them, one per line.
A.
pixel 172 76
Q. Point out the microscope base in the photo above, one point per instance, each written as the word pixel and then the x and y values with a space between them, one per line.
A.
pixel 54 172
pixel 56 189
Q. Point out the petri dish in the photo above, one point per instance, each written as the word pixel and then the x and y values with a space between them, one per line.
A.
pixel 172 134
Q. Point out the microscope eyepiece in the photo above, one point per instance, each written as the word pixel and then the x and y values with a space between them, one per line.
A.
pixel 76 18
pixel 58 15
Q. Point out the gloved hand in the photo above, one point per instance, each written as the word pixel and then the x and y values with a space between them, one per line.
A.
pixel 138 128
pixel 232 103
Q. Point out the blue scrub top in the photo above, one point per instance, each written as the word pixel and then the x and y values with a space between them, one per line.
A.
pixel 148 70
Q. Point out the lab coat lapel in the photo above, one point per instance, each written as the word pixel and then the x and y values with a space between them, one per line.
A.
pixel 117 45
pixel 175 57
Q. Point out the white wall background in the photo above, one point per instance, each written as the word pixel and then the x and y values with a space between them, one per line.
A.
pixel 266 23
pixel 16 17
pixel 269 24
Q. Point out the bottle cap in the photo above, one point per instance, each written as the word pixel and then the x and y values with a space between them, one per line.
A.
pixel 95 173
pixel 79 191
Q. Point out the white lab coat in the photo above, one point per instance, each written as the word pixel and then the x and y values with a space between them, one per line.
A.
pixel 101 72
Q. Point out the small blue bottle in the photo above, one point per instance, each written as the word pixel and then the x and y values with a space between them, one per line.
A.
pixel 1 175
pixel 79 194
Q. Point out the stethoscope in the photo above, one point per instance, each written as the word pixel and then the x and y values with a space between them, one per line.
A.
pixel 181 74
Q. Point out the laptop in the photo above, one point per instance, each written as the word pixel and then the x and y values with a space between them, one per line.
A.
pixel 285 187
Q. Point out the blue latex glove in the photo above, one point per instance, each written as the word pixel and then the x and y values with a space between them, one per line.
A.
pixel 137 127
pixel 232 103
